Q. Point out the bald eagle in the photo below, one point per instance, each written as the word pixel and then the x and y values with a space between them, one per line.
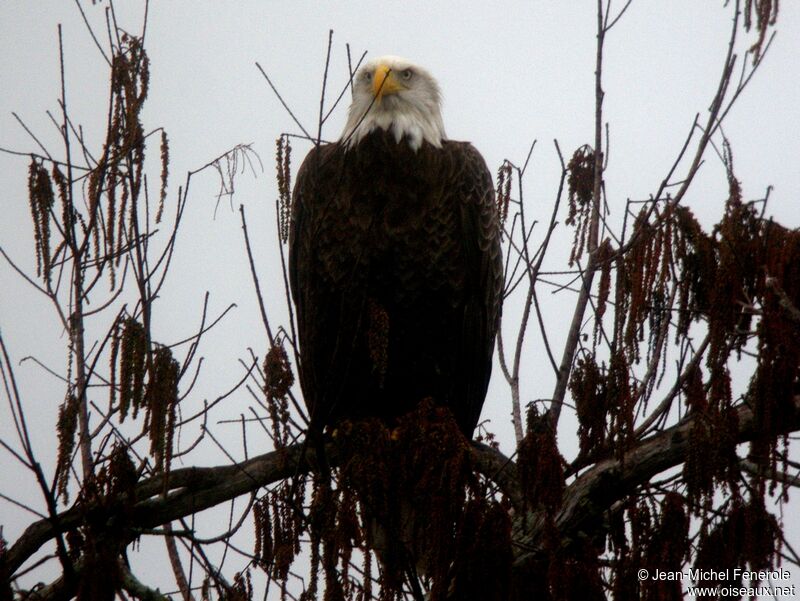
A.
pixel 395 263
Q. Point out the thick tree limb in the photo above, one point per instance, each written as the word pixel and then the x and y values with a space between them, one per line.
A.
pixel 501 470
pixel 192 490
pixel 593 493
pixel 144 593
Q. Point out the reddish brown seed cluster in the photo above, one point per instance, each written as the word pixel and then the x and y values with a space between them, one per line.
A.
pixel 503 194
pixel 766 12
pixel 370 505
pixel 283 168
pixel 147 381
pixel 41 199
pixel 278 380
pixel 581 193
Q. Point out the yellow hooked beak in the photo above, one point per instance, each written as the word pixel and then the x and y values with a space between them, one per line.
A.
pixel 384 82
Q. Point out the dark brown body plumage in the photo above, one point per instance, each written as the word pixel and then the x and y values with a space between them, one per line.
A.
pixel 396 274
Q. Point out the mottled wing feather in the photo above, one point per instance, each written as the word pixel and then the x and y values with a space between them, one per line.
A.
pixel 481 238
pixel 319 318
pixel 413 237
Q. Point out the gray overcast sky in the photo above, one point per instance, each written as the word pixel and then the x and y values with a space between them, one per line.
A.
pixel 511 72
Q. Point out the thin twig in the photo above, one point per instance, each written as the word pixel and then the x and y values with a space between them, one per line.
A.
pixel 260 297
pixel 286 106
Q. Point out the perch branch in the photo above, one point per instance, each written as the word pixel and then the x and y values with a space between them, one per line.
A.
pixel 191 490
pixel 596 490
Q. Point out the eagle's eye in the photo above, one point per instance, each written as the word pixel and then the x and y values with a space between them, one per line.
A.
pixel 407 74
pixel 366 76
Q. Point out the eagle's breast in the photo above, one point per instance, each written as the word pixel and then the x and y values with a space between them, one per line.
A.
pixel 390 277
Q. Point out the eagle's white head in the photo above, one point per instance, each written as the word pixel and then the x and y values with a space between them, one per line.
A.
pixel 393 94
